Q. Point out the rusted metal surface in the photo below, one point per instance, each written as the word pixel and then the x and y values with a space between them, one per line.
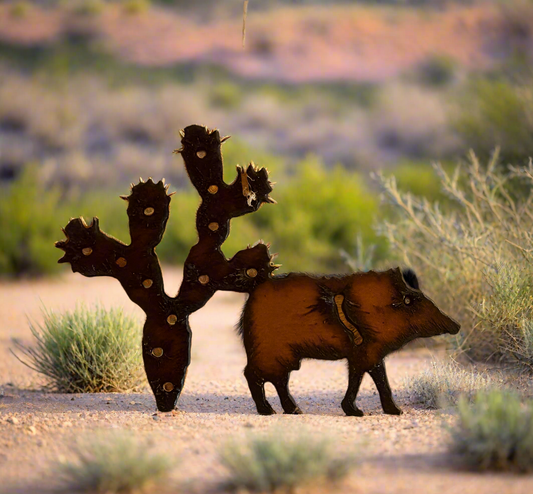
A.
pixel 167 334
pixel 360 317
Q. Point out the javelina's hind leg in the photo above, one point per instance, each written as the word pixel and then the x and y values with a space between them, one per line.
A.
pixel 257 388
pixel 354 382
pixel 379 376
pixel 287 401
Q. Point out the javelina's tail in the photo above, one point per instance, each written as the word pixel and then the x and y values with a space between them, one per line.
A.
pixel 240 326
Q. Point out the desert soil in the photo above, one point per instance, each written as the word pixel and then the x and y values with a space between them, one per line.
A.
pixel 398 454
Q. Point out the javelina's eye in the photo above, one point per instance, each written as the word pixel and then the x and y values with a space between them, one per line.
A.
pixel 406 300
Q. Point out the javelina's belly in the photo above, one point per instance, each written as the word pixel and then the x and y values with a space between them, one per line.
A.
pixel 281 321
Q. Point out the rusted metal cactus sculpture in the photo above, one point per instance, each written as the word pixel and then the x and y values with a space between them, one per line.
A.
pixel 167 335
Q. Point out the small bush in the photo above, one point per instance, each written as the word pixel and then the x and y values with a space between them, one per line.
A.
pixel 113 462
pixel 443 383
pixel 86 351
pixel 134 7
pixel 319 212
pixel 275 463
pixel 475 255
pixel 497 113
pixel 20 9
pixel 28 215
pixel 495 432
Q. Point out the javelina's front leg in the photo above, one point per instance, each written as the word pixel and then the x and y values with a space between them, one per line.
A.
pixel 379 376
pixel 354 382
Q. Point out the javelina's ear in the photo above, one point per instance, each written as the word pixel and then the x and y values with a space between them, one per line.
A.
pixel 411 279
pixel 396 275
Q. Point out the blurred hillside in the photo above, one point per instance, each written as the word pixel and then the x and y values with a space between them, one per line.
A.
pixel 286 44
pixel 94 93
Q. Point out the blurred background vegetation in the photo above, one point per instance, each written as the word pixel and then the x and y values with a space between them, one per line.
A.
pixel 93 94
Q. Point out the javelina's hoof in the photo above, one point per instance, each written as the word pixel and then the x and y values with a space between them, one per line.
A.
pixel 392 410
pixel 266 411
pixel 295 411
pixel 351 410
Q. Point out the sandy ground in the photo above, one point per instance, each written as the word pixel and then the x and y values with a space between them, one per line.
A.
pixel 399 454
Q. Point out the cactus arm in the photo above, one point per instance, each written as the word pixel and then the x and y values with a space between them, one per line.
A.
pixel 206 269
pixel 88 249
pixel 92 252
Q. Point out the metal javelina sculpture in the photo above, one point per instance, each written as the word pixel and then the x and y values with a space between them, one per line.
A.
pixel 361 317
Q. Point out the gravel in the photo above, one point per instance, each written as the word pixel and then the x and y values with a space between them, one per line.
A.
pixel 398 454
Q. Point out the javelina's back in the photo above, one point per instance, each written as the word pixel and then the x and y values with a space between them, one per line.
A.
pixel 281 324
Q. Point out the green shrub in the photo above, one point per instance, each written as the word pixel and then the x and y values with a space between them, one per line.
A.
pixel 419 178
pixel 443 383
pixel 28 216
pixel 134 7
pixel 474 258
pixel 319 212
pixel 277 463
pixel 181 234
pixel 20 9
pixel 495 432
pixel 32 214
pixel 86 351
pixel 497 113
pixel 113 462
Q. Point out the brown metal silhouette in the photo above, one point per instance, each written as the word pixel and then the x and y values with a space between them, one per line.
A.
pixel 167 335
pixel 362 317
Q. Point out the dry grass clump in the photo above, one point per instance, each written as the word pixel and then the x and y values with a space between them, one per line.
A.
pixel 277 463
pixel 475 255
pixel 495 432
pixel 86 351
pixel 444 383
pixel 113 462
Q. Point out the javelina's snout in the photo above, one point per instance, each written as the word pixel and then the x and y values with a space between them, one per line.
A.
pixel 440 323
pixel 431 321
pixel 455 327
